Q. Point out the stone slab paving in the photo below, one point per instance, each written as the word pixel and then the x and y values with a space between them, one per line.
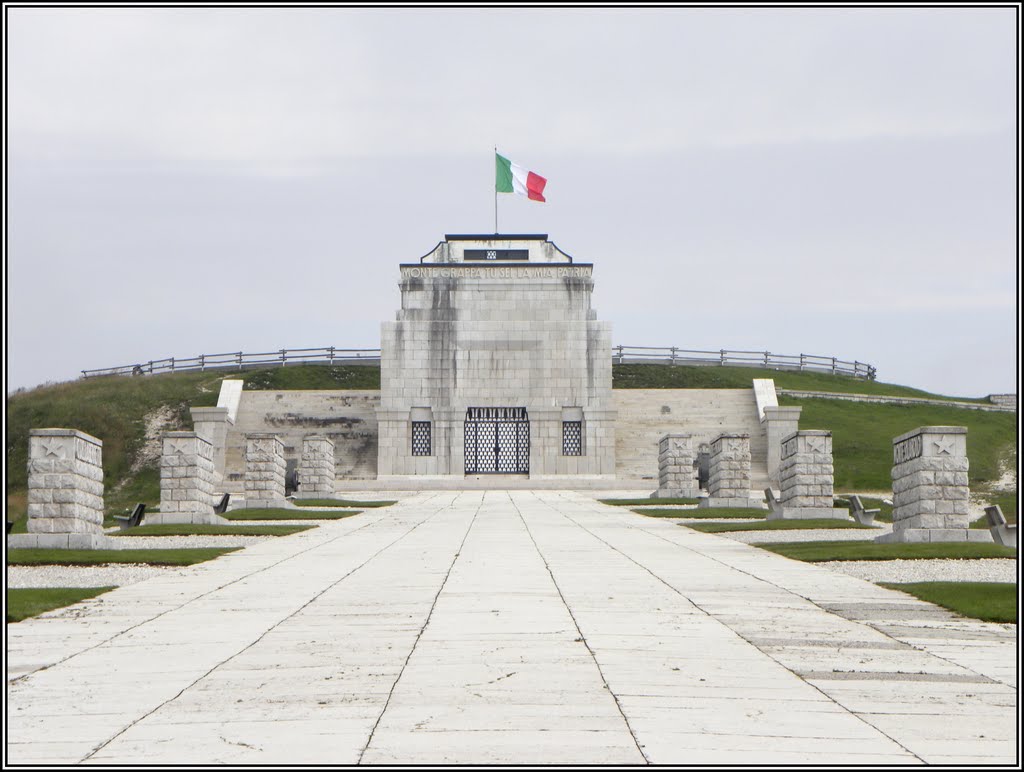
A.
pixel 508 627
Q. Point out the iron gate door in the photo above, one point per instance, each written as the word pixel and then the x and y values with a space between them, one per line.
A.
pixel 497 440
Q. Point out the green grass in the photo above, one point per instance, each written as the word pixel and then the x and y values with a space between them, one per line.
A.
pixel 775 525
pixel 202 529
pixel 862 437
pixel 648 502
pixel 987 601
pixel 113 409
pixel 308 377
pixel 32 601
pixel 818 551
pixel 1007 502
pixel 884 510
pixel 711 377
pixel 287 514
pixel 183 557
pixel 711 513
pixel 341 503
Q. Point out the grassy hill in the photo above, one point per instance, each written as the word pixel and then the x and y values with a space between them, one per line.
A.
pixel 118 409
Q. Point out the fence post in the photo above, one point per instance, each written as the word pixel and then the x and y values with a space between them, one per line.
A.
pixel 172 364
pixel 620 355
pixel 801 363
pixel 722 360
pixel 239 360
pixel 766 355
pixel 150 366
pixel 833 365
pixel 283 358
pixel 330 356
pixel 202 361
pixel 672 355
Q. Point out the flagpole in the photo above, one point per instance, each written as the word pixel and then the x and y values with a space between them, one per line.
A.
pixel 495 197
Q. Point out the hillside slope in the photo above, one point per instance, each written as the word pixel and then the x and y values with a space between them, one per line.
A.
pixel 122 410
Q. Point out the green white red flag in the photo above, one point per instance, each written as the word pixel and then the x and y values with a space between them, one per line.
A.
pixel 513 178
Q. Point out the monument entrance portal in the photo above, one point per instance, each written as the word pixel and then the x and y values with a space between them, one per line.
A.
pixel 497 440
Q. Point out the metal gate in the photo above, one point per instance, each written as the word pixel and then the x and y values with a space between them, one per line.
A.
pixel 497 440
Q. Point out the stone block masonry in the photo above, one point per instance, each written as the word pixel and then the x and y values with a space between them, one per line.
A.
pixel 187 472
pixel 806 477
pixel 65 482
pixel 729 477
pixel 65 491
pixel 264 469
pixel 316 467
pixel 930 487
pixel 677 474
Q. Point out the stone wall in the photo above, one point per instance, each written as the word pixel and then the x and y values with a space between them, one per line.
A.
pixel 930 487
pixel 643 416
pixel 187 474
pixel 264 469
pixel 347 418
pixel 729 480
pixel 65 482
pixel 316 467
pixel 677 474
pixel 486 335
pixel 806 476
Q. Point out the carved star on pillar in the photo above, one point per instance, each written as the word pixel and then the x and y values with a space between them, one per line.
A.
pixel 943 446
pixel 815 445
pixel 178 447
pixel 55 448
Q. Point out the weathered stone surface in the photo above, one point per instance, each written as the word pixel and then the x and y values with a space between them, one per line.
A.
pixel 316 467
pixel 806 476
pixel 65 483
pixel 930 486
pixel 497 334
pixel 677 472
pixel 187 475
pixel 264 468
pixel 729 478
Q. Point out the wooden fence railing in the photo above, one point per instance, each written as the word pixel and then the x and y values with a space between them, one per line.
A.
pixel 238 360
pixel 727 358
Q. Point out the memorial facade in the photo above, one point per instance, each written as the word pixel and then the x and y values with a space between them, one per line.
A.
pixel 496 365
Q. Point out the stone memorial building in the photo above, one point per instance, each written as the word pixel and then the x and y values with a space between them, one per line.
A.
pixel 496 365
pixel 494 373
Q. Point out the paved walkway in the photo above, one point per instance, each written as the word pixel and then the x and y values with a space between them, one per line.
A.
pixel 514 627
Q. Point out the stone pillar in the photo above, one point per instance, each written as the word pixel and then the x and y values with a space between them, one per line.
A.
pixel 186 480
pixel 65 490
pixel 264 470
pixel 806 478
pixel 316 467
pixel 929 485
pixel 212 424
pixel 729 481
pixel 677 476
pixel 779 423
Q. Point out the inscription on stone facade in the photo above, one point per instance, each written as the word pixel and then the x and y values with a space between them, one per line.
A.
pixel 497 272
pixel 908 449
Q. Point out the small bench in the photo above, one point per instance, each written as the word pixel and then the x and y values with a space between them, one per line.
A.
pixel 1002 532
pixel 132 520
pixel 773 503
pixel 861 515
pixel 222 506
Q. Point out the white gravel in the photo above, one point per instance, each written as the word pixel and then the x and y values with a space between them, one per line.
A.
pixel 816 534
pixel 84 576
pixel 989 570
pixel 183 542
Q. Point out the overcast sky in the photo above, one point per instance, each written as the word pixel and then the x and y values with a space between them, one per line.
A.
pixel 828 181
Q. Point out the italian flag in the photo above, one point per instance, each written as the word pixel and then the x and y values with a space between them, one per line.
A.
pixel 513 178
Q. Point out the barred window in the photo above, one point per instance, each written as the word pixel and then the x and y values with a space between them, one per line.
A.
pixel 572 438
pixel 421 438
